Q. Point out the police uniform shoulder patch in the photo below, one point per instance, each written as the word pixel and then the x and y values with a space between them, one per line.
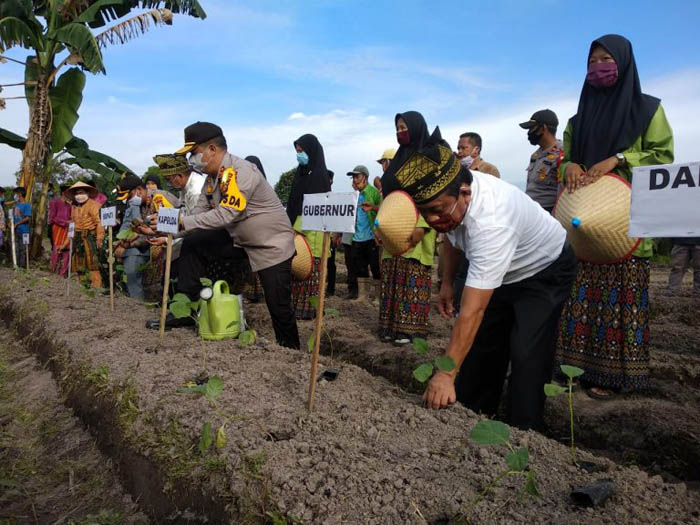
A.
pixel 231 196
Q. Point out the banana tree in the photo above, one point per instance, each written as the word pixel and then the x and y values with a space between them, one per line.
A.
pixel 58 34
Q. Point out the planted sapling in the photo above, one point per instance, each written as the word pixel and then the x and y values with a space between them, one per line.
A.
pixel 424 371
pixel 490 432
pixel 328 312
pixel 552 390
pixel 209 390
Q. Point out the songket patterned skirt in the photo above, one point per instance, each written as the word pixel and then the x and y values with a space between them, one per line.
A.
pixel 302 291
pixel 604 327
pixel 405 298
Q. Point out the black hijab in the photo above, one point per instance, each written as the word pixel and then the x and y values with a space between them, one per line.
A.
pixel 255 160
pixel 311 178
pixel 418 135
pixel 609 120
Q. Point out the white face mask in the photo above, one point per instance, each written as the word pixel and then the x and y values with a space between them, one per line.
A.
pixel 80 198
pixel 196 163
pixel 135 200
pixel 16 197
pixel 466 161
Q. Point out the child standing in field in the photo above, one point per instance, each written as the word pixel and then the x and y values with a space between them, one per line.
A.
pixel 22 216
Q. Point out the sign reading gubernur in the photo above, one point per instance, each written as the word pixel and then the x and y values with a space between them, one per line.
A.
pixel 330 212
pixel 665 201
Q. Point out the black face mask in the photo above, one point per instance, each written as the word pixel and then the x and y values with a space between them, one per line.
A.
pixel 534 137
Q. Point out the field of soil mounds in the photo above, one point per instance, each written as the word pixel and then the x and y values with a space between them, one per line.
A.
pixel 368 453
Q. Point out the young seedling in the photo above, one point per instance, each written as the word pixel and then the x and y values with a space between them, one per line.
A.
pixel 328 312
pixel 210 390
pixel 424 371
pixel 552 390
pixel 490 432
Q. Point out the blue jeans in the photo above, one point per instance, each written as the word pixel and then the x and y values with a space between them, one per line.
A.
pixel 133 271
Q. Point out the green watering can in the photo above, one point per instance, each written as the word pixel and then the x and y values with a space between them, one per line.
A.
pixel 220 313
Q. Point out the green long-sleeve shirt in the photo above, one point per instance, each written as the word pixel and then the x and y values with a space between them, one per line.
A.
pixel 654 146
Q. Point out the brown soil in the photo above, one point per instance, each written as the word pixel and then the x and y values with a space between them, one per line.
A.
pixel 50 469
pixel 368 453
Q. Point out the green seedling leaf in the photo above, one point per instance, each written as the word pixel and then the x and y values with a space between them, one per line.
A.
pixel 205 439
pixel 530 485
pixel 194 306
pixel 571 371
pixel 206 282
pixel 45 280
pixel 518 459
pixel 142 267
pixel 181 298
pixel 247 337
pixel 551 390
pixel 220 438
pixel 311 341
pixel 126 235
pixel 420 345
pixel 192 389
pixel 179 310
pixel 214 387
pixel 313 300
pixel 119 268
pixel 490 432
pixel 331 312
pixel 423 372
pixel 445 363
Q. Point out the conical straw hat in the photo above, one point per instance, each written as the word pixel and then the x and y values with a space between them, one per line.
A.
pixel 395 222
pixel 303 261
pixel 596 218
pixel 91 190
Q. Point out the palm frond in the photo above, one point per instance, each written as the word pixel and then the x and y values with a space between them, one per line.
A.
pixel 101 12
pixel 134 27
pixel 17 32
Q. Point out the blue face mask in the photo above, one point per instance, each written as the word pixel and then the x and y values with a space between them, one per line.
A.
pixel 303 158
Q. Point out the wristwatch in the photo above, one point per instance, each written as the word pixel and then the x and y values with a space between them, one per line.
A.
pixel 621 160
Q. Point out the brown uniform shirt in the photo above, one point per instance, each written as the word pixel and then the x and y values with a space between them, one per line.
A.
pixel 485 167
pixel 241 201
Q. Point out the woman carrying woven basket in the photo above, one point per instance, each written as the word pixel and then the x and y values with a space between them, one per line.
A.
pixel 604 328
pixel 311 177
pixel 406 280
pixel 89 233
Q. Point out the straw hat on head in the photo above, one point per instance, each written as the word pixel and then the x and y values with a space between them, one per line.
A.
pixel 303 261
pixel 395 222
pixel 387 154
pixel 91 190
pixel 596 218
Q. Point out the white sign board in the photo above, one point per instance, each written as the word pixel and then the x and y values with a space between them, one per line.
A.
pixel 25 238
pixel 168 219
pixel 330 212
pixel 108 216
pixel 665 201
pixel 71 230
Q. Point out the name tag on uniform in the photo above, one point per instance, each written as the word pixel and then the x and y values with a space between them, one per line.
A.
pixel 231 196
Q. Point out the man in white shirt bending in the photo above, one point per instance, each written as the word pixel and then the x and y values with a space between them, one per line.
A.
pixel 521 271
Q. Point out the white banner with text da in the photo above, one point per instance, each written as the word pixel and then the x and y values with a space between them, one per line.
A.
pixel 330 212
pixel 665 201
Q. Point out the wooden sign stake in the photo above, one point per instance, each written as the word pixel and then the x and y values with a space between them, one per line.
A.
pixel 319 318
pixel 11 213
pixel 111 269
pixel 70 264
pixel 26 253
pixel 166 287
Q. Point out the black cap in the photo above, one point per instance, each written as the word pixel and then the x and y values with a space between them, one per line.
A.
pixel 198 133
pixel 543 116
pixel 153 178
pixel 128 182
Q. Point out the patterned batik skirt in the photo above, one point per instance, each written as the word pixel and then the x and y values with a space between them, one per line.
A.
pixel 302 291
pixel 85 257
pixel 405 298
pixel 604 327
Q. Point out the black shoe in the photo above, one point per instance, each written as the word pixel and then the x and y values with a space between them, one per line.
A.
pixel 170 322
pixel 352 295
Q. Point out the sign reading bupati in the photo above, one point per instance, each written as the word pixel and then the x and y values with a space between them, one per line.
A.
pixel 330 212
pixel 168 219
pixel 25 238
pixel 665 201
pixel 71 230
pixel 108 216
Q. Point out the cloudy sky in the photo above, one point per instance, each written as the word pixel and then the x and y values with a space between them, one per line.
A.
pixel 268 72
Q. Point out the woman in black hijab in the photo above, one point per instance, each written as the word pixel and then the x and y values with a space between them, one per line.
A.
pixel 311 177
pixel 604 327
pixel 411 134
pixel 255 160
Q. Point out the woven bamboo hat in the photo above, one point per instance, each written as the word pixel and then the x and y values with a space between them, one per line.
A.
pixel 596 218
pixel 303 261
pixel 395 222
pixel 90 190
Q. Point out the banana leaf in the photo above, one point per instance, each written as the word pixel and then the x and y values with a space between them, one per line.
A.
pixel 66 97
pixel 11 139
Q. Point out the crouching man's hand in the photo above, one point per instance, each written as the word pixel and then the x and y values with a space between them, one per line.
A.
pixel 440 392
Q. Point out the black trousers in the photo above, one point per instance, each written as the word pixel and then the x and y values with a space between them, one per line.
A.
pixel 201 250
pixel 330 287
pixel 276 282
pixel 460 279
pixel 520 327
pixel 362 255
